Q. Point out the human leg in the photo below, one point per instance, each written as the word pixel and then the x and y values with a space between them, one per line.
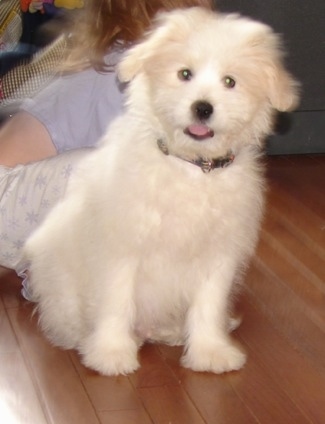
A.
pixel 24 139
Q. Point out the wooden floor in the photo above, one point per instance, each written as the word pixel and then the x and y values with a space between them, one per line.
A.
pixel 283 332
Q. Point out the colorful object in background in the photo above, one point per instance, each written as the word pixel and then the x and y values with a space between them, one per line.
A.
pixel 33 6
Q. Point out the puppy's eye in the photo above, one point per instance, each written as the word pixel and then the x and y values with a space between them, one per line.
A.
pixel 184 74
pixel 229 82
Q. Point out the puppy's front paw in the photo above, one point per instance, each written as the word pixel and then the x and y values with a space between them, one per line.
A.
pixel 217 358
pixel 119 357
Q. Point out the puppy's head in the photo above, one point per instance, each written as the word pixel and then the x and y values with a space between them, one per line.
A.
pixel 212 80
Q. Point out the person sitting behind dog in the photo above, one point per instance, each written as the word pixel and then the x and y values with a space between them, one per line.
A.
pixel 40 145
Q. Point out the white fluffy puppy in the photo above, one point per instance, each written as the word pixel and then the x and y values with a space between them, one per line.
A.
pixel 160 221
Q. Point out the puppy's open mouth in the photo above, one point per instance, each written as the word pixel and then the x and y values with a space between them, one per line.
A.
pixel 199 131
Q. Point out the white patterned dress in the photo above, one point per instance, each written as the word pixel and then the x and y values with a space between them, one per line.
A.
pixel 27 193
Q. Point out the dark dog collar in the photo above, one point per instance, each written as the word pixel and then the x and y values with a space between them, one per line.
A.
pixel 206 165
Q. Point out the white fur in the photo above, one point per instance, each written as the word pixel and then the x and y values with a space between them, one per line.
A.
pixel 147 247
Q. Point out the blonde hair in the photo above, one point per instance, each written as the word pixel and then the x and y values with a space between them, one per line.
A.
pixel 103 23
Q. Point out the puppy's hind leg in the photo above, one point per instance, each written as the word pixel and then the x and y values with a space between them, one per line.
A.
pixel 234 323
pixel 111 348
pixel 58 304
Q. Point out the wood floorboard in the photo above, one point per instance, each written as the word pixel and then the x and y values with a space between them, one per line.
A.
pixel 19 401
pixel 305 257
pixel 214 395
pixel 303 220
pixel 124 417
pixel 169 404
pixel 8 340
pixel 285 364
pixel 283 308
pixel 62 393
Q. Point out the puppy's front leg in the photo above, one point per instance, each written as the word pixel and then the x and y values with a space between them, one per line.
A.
pixel 209 347
pixel 111 349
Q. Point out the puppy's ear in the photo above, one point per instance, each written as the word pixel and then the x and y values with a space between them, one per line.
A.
pixel 135 58
pixel 133 61
pixel 168 27
pixel 284 90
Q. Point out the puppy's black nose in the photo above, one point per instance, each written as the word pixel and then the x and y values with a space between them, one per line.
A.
pixel 202 110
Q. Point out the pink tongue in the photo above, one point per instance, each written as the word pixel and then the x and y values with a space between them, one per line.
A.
pixel 199 130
